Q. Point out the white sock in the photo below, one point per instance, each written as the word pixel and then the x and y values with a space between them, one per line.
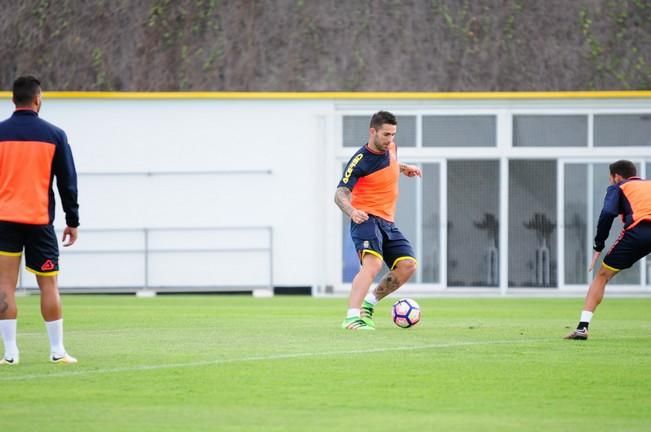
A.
pixel 586 316
pixel 55 333
pixel 8 330
pixel 353 313
pixel 370 297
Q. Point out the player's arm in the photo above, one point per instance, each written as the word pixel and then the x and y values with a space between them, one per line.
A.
pixel 410 170
pixel 343 194
pixel 342 199
pixel 70 235
pixel 66 175
pixel 608 213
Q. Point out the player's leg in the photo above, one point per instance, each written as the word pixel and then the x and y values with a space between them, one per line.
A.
pixel 631 247
pixel 402 271
pixel 42 259
pixel 9 267
pixel 53 317
pixel 592 300
pixel 50 299
pixel 399 256
pixel 368 243
pixel 597 288
pixel 11 247
pixel 394 279
pixel 371 266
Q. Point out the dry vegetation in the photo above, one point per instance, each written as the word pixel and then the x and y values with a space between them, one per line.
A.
pixel 328 45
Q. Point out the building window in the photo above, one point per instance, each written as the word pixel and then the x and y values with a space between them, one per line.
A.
pixel 622 130
pixel 550 131
pixel 459 131
pixel 355 130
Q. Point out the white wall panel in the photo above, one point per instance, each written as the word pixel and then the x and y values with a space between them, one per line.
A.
pixel 258 163
pixel 270 145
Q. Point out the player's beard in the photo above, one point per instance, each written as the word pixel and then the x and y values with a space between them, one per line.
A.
pixel 378 144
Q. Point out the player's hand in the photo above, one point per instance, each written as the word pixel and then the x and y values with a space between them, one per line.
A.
pixel 70 236
pixel 411 171
pixel 358 216
pixel 595 257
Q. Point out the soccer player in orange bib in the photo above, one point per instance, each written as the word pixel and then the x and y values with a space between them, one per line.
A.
pixel 367 193
pixel 32 153
pixel 628 196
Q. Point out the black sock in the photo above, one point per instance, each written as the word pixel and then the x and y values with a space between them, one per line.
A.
pixel 583 325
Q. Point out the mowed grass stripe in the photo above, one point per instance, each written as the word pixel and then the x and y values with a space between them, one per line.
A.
pixel 288 356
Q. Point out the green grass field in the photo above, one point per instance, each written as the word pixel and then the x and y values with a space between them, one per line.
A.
pixel 223 363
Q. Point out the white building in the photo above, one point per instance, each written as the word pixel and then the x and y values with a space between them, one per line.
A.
pixel 234 191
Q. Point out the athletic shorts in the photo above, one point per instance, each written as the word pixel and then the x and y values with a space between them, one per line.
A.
pixel 38 241
pixel 630 247
pixel 382 239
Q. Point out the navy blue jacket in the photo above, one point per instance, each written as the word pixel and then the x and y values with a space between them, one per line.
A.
pixel 630 198
pixel 32 153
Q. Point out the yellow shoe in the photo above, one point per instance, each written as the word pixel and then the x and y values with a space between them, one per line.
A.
pixel 64 359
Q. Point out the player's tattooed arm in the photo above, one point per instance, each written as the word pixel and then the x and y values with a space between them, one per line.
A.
pixel 387 285
pixel 342 199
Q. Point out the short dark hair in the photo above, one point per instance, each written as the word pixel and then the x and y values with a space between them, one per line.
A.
pixel 25 90
pixel 624 168
pixel 382 117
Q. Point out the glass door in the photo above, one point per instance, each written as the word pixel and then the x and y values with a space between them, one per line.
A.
pixel 473 206
pixel 533 223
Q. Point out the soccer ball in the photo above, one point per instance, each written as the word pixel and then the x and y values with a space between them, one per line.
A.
pixel 405 313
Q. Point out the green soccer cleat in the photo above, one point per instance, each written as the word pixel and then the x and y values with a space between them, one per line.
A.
pixel 355 323
pixel 366 313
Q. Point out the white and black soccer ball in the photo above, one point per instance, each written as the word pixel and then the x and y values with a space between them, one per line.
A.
pixel 405 313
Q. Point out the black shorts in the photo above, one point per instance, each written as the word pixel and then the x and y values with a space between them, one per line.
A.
pixel 38 241
pixel 631 246
pixel 382 239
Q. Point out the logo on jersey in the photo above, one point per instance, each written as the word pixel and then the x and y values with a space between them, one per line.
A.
pixel 351 167
pixel 366 244
pixel 47 265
